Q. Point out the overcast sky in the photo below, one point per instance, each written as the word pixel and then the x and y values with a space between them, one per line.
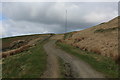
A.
pixel 20 18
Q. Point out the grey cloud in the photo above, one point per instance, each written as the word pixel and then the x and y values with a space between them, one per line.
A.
pixel 50 17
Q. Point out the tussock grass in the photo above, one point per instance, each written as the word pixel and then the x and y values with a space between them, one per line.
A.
pixel 68 35
pixel 105 30
pixel 103 64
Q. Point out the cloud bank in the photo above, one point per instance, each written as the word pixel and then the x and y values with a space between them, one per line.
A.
pixel 19 18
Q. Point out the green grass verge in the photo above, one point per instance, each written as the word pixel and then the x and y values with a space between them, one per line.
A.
pixel 28 64
pixel 103 64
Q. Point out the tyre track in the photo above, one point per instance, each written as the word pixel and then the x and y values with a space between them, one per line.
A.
pixel 80 69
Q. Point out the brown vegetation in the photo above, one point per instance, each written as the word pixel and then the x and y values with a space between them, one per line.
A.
pixel 101 39
pixel 15 51
pixel 20 45
pixel 8 43
pixel 17 44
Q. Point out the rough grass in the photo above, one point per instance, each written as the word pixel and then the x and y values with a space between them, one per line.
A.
pixel 68 35
pixel 105 30
pixel 28 64
pixel 103 64
pixel 8 40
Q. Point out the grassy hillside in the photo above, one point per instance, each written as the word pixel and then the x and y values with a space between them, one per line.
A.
pixel 100 63
pixel 101 39
pixel 28 64
pixel 6 42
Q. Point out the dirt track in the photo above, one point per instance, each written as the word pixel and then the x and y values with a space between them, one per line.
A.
pixel 79 68
pixel 52 66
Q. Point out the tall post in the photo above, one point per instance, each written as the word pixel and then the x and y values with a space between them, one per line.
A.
pixel 66 22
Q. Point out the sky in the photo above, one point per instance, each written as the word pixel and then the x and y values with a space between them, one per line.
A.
pixel 21 18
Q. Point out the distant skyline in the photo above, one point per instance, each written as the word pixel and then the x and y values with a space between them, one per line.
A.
pixel 18 18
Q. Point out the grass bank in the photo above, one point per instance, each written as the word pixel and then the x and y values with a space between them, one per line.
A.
pixel 102 64
pixel 28 64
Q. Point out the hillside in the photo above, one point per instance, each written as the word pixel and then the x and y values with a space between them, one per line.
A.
pixel 101 39
pixel 8 43
pixel 24 58
pixel 45 57
pixel 17 44
pixel 80 54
